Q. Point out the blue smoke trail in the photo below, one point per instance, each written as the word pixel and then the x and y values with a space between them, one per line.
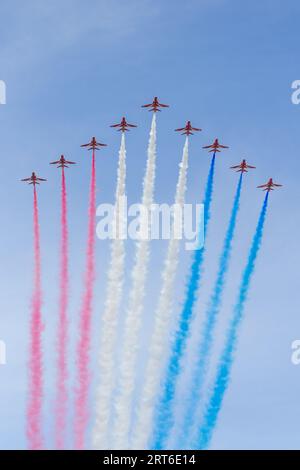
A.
pixel 206 340
pixel 164 414
pixel 221 382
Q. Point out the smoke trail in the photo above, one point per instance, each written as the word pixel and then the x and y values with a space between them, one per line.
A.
pixel 110 315
pixel 34 408
pixel 206 340
pixel 165 418
pixel 121 424
pixel 221 381
pixel 161 325
pixel 62 373
pixel 83 347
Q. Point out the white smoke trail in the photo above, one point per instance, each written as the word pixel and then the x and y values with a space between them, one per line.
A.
pixel 159 340
pixel 110 315
pixel 122 418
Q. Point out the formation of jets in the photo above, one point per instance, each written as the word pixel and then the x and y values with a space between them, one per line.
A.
pixel 124 126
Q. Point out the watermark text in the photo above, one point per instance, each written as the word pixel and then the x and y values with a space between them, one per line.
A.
pixel 155 222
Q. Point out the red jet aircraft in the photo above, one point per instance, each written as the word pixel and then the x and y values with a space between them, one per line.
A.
pixel 155 105
pixel 33 179
pixel 123 125
pixel 62 163
pixel 242 167
pixel 188 129
pixel 93 144
pixel 215 146
pixel 269 186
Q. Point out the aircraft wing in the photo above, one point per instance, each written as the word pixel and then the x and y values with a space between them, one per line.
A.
pixel 263 186
pixel 236 166
pixel 147 105
pixel 70 163
pixel 26 179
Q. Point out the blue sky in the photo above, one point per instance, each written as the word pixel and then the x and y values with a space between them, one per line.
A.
pixel 71 70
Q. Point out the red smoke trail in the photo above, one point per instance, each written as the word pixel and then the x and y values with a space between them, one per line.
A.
pixel 34 408
pixel 62 372
pixel 83 348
